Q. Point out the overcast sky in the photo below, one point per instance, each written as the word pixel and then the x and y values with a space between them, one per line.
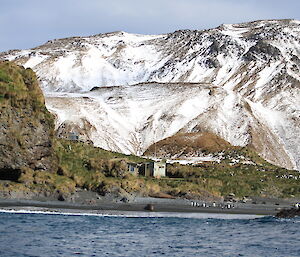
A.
pixel 29 23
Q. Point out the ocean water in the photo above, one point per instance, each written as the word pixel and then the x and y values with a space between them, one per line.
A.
pixel 43 234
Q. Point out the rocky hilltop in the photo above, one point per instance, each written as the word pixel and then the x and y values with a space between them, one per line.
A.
pixel 124 92
pixel 27 129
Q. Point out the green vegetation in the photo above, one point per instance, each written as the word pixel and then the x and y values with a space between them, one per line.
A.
pixel 106 172
pixel 85 166
pixel 94 168
pixel 19 90
pixel 255 177
pixel 241 172
pixel 19 86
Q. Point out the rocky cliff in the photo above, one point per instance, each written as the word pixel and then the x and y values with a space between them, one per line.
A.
pixel 26 126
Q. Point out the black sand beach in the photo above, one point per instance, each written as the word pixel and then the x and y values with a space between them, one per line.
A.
pixel 157 205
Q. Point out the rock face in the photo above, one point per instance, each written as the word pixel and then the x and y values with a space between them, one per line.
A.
pixel 240 82
pixel 26 127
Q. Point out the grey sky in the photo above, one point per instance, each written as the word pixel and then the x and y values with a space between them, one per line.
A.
pixel 28 23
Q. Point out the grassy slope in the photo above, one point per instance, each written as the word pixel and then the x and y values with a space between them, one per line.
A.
pixel 258 179
pixel 104 171
pixel 19 86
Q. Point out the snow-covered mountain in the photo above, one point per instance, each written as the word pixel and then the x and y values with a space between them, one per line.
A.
pixel 125 91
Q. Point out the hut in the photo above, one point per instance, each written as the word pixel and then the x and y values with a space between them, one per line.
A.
pixel 133 168
pixel 155 169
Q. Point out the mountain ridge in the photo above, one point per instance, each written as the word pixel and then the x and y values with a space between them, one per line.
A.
pixel 248 76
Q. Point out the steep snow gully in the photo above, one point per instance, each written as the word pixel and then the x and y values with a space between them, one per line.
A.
pixel 126 91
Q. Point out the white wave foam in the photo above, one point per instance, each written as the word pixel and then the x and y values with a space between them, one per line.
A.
pixel 130 214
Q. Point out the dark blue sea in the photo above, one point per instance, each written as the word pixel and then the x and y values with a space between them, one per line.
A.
pixel 38 234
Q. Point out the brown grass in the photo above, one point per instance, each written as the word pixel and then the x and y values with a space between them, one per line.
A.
pixel 189 143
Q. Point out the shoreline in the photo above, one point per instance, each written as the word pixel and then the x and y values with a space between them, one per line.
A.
pixel 128 214
pixel 163 206
pixel 92 202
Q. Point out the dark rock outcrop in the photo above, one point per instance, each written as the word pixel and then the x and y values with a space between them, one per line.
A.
pixel 262 50
pixel 288 213
pixel 26 126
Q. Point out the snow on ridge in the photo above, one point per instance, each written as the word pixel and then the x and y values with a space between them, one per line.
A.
pixel 234 31
pixel 124 58
pixel 131 37
pixel 37 59
pixel 297 22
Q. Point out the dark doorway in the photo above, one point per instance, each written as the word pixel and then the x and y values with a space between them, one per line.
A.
pixel 10 174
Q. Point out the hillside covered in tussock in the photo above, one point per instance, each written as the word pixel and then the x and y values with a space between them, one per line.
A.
pixel 27 127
